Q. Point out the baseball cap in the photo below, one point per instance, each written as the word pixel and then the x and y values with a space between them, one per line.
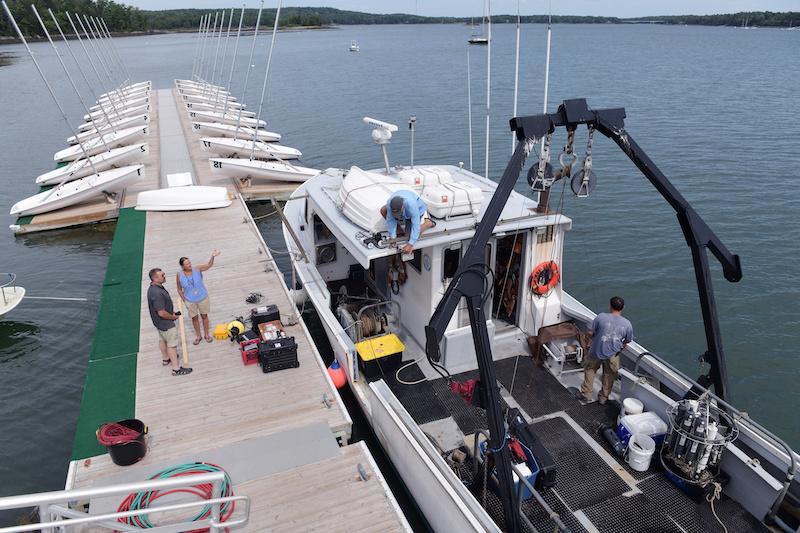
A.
pixel 397 205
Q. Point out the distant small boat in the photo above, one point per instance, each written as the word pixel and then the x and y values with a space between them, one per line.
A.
pixel 354 47
pixel 478 40
pixel 10 294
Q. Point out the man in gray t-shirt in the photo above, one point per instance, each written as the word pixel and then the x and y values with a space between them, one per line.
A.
pixel 163 316
pixel 610 333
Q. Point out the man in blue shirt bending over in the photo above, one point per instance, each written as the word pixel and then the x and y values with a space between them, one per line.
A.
pixel 610 333
pixel 407 208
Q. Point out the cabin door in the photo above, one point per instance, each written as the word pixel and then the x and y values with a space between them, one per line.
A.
pixel 508 270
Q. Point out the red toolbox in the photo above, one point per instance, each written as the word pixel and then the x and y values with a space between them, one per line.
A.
pixel 248 346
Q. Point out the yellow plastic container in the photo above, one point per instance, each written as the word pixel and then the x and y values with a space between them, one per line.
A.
pixel 221 332
pixel 380 356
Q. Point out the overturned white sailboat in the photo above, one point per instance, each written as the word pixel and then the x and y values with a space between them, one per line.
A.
pixel 227 147
pixel 229 130
pixel 103 161
pixel 11 294
pixel 187 198
pixel 77 191
pixel 100 144
pixel 254 168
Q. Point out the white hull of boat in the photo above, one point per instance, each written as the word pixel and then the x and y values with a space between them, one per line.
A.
pixel 213 103
pixel 192 84
pixel 218 107
pixel 77 191
pixel 201 92
pixel 128 89
pixel 103 161
pixel 229 118
pixel 207 98
pixel 189 198
pixel 96 146
pixel 10 298
pixel 115 97
pixel 228 130
pixel 139 120
pixel 268 170
pixel 242 148
pixel 121 123
pixel 122 112
pixel 127 102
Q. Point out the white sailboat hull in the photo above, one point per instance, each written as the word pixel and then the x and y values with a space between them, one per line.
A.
pixel 96 146
pixel 91 132
pixel 121 112
pixel 128 89
pixel 103 161
pixel 242 148
pixel 192 84
pixel 127 102
pixel 218 107
pixel 80 190
pixel 10 298
pixel 229 130
pixel 201 92
pixel 267 170
pixel 229 118
pixel 189 198
pixel 206 98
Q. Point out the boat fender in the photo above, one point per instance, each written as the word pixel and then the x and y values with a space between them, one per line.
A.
pixel 337 374
pixel 544 277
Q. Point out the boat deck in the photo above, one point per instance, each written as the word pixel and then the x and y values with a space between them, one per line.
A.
pixel 594 491
pixel 276 433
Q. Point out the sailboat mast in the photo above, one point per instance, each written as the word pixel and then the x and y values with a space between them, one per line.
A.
pixel 469 109
pixel 266 80
pixel 222 66
pixel 216 55
pixel 233 61
pixel 488 79
pixel 247 72
pixel 547 60
pixel 197 46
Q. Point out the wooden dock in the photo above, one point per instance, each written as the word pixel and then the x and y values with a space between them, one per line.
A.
pixel 280 432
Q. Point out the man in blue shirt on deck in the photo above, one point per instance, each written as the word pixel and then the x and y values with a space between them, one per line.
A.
pixel 610 333
pixel 408 208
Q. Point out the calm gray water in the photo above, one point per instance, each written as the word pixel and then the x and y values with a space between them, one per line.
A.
pixel 716 108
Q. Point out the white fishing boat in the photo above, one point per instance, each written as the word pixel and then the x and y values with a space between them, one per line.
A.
pixel 91 132
pixel 409 332
pixel 354 46
pixel 226 118
pixel 121 112
pixel 100 144
pixel 218 129
pixel 227 147
pixel 187 198
pixel 257 169
pixel 102 161
pixel 11 294
pixel 80 190
pixel 121 104
pixel 219 107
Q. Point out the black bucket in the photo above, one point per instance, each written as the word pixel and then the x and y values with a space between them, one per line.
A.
pixel 133 451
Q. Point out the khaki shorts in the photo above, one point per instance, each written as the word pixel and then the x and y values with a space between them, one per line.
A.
pixel 203 307
pixel 170 337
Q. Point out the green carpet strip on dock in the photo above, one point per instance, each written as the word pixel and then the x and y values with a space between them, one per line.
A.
pixel 109 393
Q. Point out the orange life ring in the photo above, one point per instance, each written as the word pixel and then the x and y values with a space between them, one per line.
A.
pixel 544 277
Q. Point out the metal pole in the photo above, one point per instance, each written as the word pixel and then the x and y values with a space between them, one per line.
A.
pixel 224 53
pixel 197 46
pixel 469 109
pixel 247 72
pixel 488 80
pixel 207 85
pixel 266 80
pixel 203 49
pixel 216 55
pixel 47 84
pixel 113 46
pixel 101 53
pixel 101 45
pixel 233 64
pixel 516 80
pixel 88 56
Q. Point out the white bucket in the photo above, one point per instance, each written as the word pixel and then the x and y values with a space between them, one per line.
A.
pixel 630 406
pixel 640 451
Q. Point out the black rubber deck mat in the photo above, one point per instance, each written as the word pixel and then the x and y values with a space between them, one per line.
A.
pixel 536 390
pixel 698 518
pixel 540 519
pixel 420 400
pixel 469 418
pixel 630 514
pixel 591 417
pixel 583 479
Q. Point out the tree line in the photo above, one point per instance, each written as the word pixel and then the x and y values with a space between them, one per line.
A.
pixel 126 19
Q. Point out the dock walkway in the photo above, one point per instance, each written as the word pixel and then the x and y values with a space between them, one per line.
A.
pixel 276 434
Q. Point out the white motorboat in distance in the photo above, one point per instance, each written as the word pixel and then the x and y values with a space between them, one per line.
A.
pixel 229 130
pixel 256 169
pixel 102 161
pixel 226 118
pixel 188 198
pixel 354 46
pixel 227 147
pixel 80 190
pixel 92 131
pixel 10 293
pixel 120 112
pixel 96 145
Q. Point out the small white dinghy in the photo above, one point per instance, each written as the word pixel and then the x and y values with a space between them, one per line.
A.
pixel 127 102
pixel 206 98
pixel 96 146
pixel 229 130
pixel 219 106
pixel 127 89
pixel 197 84
pixel 201 92
pixel 227 118
pixel 188 198
pixel 10 294
pixel 253 168
pixel 227 147
pixel 362 195
pixel 121 112
pixel 90 131
pixel 103 161
pixel 127 95
pixel 77 191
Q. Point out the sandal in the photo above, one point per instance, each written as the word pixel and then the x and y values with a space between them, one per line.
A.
pixel 182 371
pixel 165 362
pixel 197 341
pixel 209 338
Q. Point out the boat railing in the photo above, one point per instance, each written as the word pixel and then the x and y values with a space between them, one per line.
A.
pixel 11 280
pixel 741 418
pixel 55 515
pixel 554 516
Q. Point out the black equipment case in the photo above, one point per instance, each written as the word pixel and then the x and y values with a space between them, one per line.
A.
pixel 524 432
pixel 266 313
pixel 277 354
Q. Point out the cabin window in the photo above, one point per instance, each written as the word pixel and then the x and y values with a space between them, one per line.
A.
pixel 321 232
pixel 450 260
pixel 545 236
pixel 416 262
pixel 508 269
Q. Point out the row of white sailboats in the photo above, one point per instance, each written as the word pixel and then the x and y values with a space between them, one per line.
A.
pixel 245 149
pixel 105 152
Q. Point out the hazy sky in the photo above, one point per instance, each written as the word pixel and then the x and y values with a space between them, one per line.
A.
pixel 455 8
